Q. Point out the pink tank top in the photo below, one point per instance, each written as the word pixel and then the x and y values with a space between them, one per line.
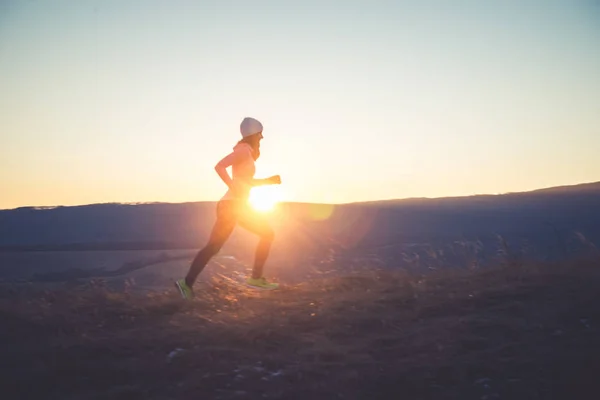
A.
pixel 242 171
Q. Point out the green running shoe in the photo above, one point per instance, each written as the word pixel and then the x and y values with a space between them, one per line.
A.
pixel 186 291
pixel 261 283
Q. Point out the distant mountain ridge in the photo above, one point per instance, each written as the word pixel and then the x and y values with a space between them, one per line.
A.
pixel 545 216
pixel 578 188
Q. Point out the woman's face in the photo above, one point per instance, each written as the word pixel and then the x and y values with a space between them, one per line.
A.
pixel 256 138
pixel 255 143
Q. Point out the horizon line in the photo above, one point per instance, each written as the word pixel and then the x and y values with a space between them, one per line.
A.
pixel 49 207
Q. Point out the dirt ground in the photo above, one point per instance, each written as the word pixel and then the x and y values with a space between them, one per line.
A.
pixel 529 332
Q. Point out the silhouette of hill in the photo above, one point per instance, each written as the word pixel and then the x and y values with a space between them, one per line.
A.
pixel 548 221
pixel 581 188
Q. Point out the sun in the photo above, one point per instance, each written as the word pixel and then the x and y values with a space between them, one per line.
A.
pixel 264 198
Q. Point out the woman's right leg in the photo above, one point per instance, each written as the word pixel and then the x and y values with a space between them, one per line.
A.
pixel 221 231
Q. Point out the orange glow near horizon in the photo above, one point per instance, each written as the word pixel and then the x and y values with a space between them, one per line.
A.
pixel 110 104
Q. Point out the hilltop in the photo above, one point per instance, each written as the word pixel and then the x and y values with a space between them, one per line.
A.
pixel 527 332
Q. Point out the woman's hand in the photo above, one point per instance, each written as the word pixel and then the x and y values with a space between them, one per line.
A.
pixel 274 180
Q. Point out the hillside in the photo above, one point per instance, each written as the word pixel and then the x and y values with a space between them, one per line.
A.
pixel 546 223
pixel 505 333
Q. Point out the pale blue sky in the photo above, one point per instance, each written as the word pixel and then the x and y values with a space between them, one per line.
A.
pixel 128 101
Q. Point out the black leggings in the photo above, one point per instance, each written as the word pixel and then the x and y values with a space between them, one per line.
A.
pixel 230 213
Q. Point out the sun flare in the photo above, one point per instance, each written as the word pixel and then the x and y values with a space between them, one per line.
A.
pixel 264 199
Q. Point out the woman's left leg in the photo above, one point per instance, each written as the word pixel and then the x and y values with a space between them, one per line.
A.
pixel 258 224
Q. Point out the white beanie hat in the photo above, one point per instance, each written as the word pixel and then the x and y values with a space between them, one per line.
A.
pixel 250 126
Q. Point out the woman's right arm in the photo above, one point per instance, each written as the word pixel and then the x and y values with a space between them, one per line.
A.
pixel 225 163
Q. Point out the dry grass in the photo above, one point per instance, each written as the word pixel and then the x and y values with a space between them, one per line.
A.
pixel 511 333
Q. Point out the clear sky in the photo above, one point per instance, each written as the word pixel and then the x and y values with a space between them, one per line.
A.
pixel 135 101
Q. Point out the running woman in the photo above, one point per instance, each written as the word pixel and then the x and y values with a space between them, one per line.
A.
pixel 234 209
